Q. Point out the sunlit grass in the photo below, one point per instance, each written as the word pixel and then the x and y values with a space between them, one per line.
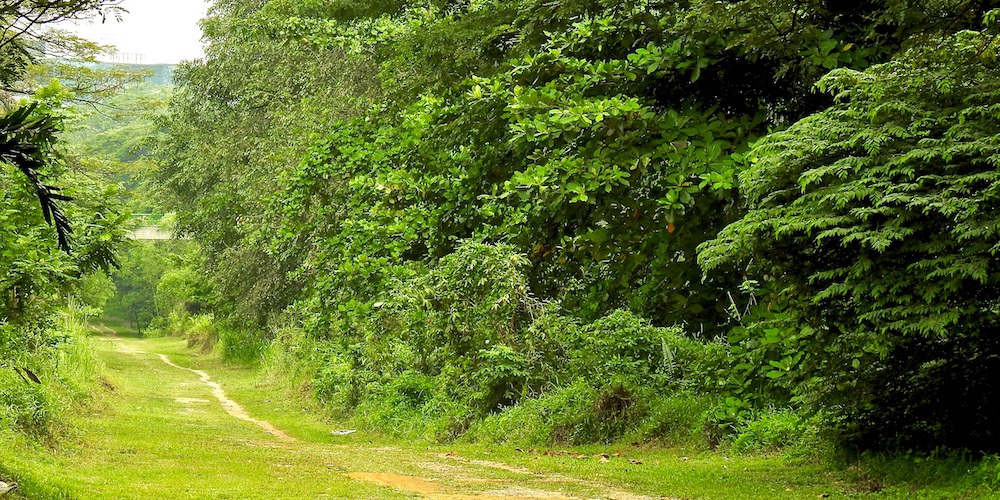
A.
pixel 158 432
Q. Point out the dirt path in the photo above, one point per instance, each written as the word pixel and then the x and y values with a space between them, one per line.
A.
pixel 103 329
pixel 232 407
pixel 171 423
pixel 174 424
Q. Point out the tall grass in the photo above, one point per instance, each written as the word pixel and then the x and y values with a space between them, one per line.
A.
pixel 68 373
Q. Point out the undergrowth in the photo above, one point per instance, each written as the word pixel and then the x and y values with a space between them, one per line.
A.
pixel 37 387
pixel 446 357
pixel 462 350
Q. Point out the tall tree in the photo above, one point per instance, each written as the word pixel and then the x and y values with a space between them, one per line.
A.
pixel 28 30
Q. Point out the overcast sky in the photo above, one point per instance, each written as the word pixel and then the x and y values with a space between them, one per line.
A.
pixel 162 31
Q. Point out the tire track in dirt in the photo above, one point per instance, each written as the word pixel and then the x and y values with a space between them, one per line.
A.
pixel 463 476
pixel 434 491
pixel 232 407
pixel 111 335
pixel 609 493
pixel 103 329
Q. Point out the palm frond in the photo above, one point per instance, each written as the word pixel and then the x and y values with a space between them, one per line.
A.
pixel 23 141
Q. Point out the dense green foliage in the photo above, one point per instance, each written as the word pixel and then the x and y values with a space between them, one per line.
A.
pixel 42 281
pixel 753 224
pixel 45 291
pixel 876 223
pixel 466 340
pixel 155 280
pixel 52 279
pixel 461 210
pixel 121 127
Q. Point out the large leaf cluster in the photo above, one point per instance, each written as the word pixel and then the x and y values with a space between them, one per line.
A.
pixel 877 223
pixel 606 149
pixel 41 270
pixel 241 117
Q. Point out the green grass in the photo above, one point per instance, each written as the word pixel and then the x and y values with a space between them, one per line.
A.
pixel 119 324
pixel 141 443
pixel 140 439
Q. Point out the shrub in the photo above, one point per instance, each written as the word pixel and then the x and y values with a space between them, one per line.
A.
pixel 65 366
pixel 461 345
pixel 622 344
pixel 336 383
pixel 180 289
pixel 25 407
pixel 201 332
pixel 772 430
pixel 674 419
pixel 554 417
pixel 581 413
pixel 472 298
pixel 240 345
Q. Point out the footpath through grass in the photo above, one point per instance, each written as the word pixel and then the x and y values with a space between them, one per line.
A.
pixel 160 431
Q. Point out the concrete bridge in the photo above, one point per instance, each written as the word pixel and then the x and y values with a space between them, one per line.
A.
pixel 150 233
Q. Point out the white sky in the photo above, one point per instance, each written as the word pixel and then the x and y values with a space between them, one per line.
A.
pixel 162 31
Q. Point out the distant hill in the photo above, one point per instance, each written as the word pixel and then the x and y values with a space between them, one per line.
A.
pixel 163 74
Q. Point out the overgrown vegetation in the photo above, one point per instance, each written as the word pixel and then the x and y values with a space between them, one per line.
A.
pixel 48 291
pixel 60 227
pixel 465 341
pixel 756 225
pixel 876 227
pixel 459 216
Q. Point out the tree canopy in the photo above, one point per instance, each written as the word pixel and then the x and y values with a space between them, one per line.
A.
pixel 875 223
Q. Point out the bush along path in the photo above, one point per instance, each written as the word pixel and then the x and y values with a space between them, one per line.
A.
pixel 175 424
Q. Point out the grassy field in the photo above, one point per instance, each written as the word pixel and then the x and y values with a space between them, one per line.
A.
pixel 159 431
